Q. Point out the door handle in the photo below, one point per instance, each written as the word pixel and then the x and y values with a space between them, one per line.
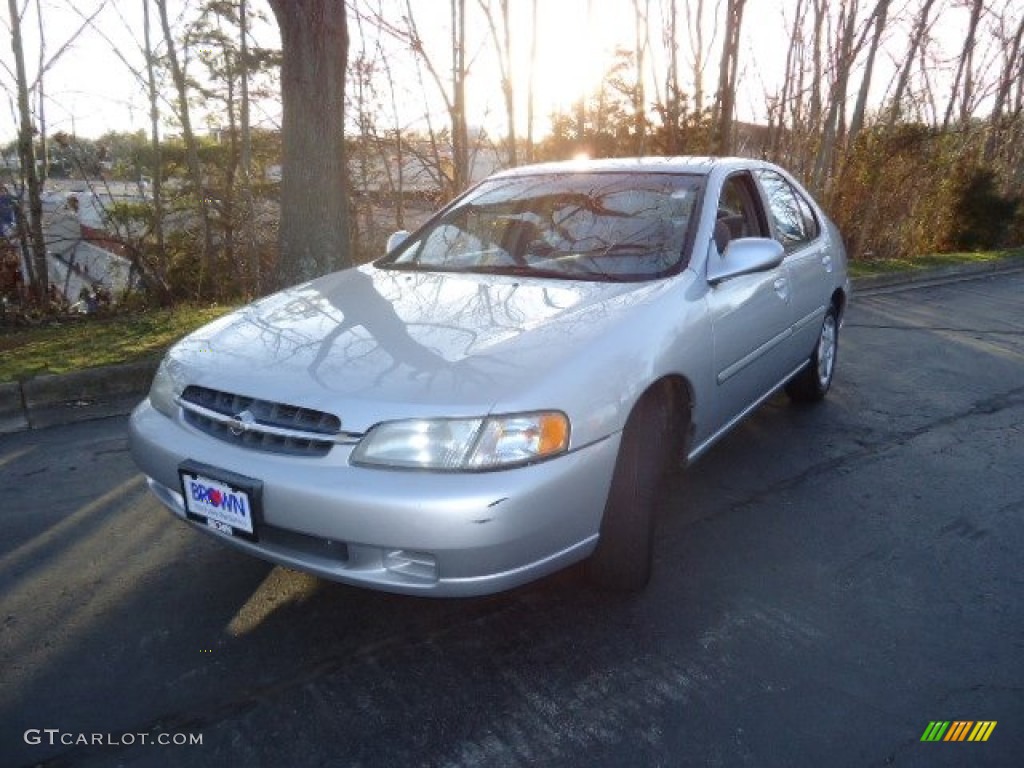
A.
pixel 826 261
pixel 781 286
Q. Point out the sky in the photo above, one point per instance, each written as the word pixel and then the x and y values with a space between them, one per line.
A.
pixel 91 90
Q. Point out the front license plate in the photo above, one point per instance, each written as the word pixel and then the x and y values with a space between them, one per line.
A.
pixel 227 504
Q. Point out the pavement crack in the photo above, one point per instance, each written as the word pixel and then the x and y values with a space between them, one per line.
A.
pixel 984 407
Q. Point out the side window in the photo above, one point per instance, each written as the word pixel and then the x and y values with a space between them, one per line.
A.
pixel 794 219
pixel 739 212
pixel 811 225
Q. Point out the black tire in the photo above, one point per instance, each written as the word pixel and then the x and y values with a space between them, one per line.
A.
pixel 622 560
pixel 814 381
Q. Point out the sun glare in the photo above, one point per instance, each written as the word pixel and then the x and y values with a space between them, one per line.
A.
pixel 574 48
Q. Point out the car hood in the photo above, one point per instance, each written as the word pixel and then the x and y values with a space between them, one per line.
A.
pixel 371 344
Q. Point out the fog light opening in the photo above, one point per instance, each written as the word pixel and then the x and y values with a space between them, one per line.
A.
pixel 413 565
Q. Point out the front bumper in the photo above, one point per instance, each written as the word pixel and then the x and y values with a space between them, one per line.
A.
pixel 425 533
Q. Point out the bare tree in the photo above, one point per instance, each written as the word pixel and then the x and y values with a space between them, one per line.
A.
pixel 817 73
pixel 454 177
pixel 725 101
pixel 1010 72
pixel 844 52
pixel 245 127
pixel 44 170
pixel 156 169
pixel 695 18
pixel 916 42
pixel 530 93
pixel 673 93
pixel 878 19
pixel 790 85
pixel 39 85
pixel 1006 121
pixel 963 81
pixel 641 9
pixel 397 180
pixel 503 47
pixel 460 126
pixel 27 154
pixel 191 145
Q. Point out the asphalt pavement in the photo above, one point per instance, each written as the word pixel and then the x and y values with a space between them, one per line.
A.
pixel 829 582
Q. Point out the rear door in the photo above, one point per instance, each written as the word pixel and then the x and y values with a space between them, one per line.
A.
pixel 808 263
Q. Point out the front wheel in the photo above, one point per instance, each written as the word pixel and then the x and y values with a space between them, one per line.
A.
pixel 622 560
pixel 815 380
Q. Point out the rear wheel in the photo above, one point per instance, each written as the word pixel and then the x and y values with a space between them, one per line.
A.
pixel 815 380
pixel 623 556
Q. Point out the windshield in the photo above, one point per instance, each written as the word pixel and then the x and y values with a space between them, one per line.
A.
pixel 583 226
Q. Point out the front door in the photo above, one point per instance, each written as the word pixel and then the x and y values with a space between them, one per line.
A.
pixel 751 315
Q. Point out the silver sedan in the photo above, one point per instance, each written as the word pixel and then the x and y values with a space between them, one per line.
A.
pixel 500 394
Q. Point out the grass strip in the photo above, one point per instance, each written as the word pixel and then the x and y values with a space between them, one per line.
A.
pixel 75 344
pixel 871 267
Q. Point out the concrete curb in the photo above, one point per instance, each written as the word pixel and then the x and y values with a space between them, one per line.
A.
pixel 96 393
pixel 12 408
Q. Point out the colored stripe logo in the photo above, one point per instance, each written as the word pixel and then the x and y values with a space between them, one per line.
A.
pixel 958 730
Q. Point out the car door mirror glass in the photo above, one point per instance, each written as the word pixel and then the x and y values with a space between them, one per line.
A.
pixel 745 256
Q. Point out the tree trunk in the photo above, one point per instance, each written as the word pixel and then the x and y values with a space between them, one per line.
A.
pixel 963 80
pixel 44 150
pixel 857 121
pixel 789 82
pixel 156 170
pixel 727 74
pixel 314 204
pixel 530 93
pixel 696 34
pixel 639 97
pixel 503 47
pixel 842 57
pixel 814 113
pixel 398 182
pixel 903 77
pixel 1010 73
pixel 27 155
pixel 672 101
pixel 254 277
pixel 508 87
pixel 191 147
pixel 581 116
pixel 460 128
pixel 870 217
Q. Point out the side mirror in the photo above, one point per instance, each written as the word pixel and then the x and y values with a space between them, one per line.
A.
pixel 396 239
pixel 744 256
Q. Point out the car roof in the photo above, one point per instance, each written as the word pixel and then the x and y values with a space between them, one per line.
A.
pixel 693 165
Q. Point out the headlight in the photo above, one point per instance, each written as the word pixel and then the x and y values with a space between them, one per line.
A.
pixel 465 444
pixel 167 385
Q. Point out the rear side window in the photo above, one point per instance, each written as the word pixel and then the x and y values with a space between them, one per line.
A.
pixel 793 217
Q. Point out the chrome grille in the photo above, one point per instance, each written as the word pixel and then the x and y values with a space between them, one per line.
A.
pixel 270 426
